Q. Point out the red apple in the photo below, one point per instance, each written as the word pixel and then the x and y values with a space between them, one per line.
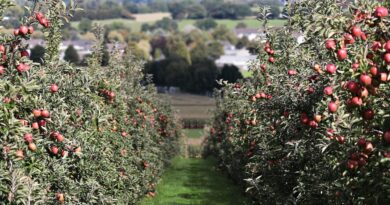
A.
pixel 28 137
pixel 45 114
pixel 356 101
pixel 330 44
pixel 386 57
pixel 291 72
pixel 53 88
pixel 368 114
pixel 54 149
pixel 23 30
pixel 271 59
pixel 355 66
pixel 2 70
pixel 383 77
pixel 30 30
pixel 34 126
pixel 381 12
pixel 340 139
pixel 36 113
pixel 356 31
pixel 32 147
pixel 59 137
pixel 361 142
pixel 386 136
pixel 342 54
pixel 374 71
pixel 331 68
pixel 42 123
pixel 332 107
pixel 328 90
pixel 376 45
pixel 365 79
pixel 348 38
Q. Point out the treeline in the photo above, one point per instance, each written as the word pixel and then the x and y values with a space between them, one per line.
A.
pixel 179 9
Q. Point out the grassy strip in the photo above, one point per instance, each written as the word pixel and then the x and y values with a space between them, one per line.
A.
pixel 193 133
pixel 196 182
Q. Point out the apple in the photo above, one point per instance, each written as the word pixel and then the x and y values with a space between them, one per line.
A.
pixel 352 86
pixel 386 136
pixel 356 31
pixel 332 107
pixel 24 53
pixel 330 44
pixel 363 37
pixel 328 90
pixel 53 88
pixel 368 114
pixel 34 126
pixel 356 101
pixel 271 59
pixel 363 93
pixel 381 12
pixel 368 148
pixel 22 67
pixel 45 114
pixel 42 123
pixel 54 150
pixel 383 77
pixel 348 38
pixel 342 54
pixel 376 45
pixel 374 71
pixel 2 70
pixel 59 137
pixel 386 57
pixel 16 32
pixel 32 147
pixel 28 137
pixel 331 68
pixel 313 124
pixel 30 30
pixel 355 66
pixel 318 118
pixel 340 139
pixel 60 197
pixel 291 72
pixel 23 30
pixel 365 79
pixel 19 153
pixel 36 113
pixel 39 16
pixel 352 164
pixel 361 142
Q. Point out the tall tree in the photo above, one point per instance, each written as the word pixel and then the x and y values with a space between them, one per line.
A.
pixel 37 54
pixel 71 55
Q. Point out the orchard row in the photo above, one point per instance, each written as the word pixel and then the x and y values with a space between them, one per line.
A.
pixel 74 135
pixel 313 124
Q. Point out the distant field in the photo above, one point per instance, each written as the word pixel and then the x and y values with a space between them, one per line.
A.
pixel 192 106
pixel 135 25
pixel 151 17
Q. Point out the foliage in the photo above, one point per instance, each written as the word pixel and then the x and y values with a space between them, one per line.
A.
pixel 71 55
pixel 65 129
pixel 230 73
pixel 312 125
pixel 37 54
pixel 85 25
pixel 206 24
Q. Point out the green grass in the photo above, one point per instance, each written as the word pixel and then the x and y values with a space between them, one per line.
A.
pixel 195 182
pixel 231 24
pixel 193 133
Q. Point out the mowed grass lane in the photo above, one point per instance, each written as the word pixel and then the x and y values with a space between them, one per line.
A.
pixel 196 182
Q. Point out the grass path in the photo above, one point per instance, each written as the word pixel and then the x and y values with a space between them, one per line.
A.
pixel 195 182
